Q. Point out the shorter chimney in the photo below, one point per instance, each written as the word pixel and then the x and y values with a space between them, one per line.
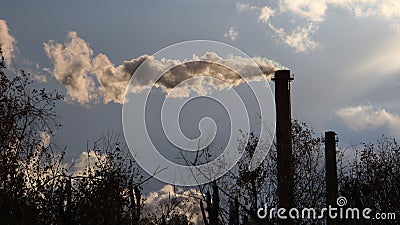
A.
pixel 331 171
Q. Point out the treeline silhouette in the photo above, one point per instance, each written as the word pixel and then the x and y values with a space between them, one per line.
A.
pixel 38 187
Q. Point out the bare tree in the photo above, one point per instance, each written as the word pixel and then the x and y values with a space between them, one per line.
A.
pixel 26 161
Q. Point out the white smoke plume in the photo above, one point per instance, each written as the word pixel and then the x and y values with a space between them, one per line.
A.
pixel 87 78
pixel 7 42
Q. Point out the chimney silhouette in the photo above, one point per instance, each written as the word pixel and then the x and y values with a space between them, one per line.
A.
pixel 285 166
pixel 331 171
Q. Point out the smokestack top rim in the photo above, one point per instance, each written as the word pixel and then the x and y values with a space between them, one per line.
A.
pixel 282 75
pixel 330 132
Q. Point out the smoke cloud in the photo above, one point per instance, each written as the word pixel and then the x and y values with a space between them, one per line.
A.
pixel 88 78
pixel 72 63
pixel 7 42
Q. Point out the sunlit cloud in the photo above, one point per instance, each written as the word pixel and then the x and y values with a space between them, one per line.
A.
pixel 265 14
pixel 310 14
pixel 383 60
pixel 181 201
pixel 7 42
pixel 86 161
pixel 45 139
pixel 364 117
pixel 298 38
pixel 40 78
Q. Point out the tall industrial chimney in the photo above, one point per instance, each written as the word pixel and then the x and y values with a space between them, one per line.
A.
pixel 284 139
pixel 331 171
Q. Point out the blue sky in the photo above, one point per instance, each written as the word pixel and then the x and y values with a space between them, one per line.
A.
pixel 344 54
